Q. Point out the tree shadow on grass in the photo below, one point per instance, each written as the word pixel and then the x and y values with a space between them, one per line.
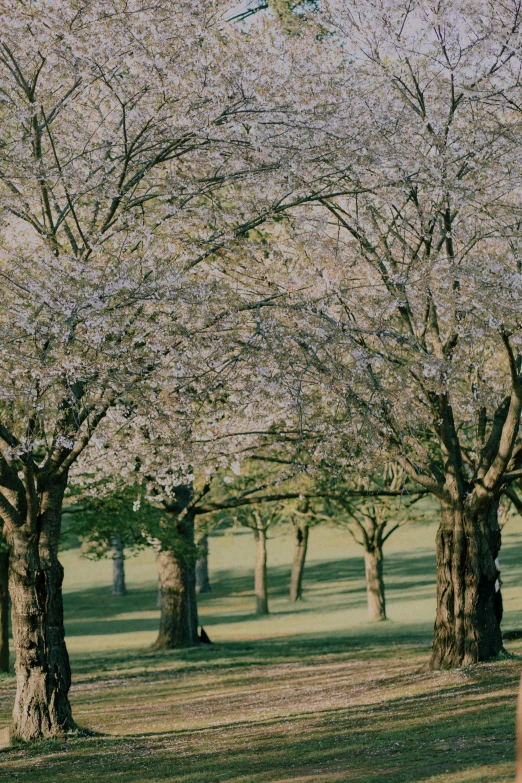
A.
pixel 263 653
pixel 402 571
pixel 96 611
pixel 402 739
pixel 409 577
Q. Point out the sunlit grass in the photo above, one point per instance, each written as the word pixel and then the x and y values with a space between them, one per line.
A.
pixel 313 693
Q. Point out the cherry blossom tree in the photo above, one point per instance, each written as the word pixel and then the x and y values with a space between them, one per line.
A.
pixel 413 332
pixel 137 146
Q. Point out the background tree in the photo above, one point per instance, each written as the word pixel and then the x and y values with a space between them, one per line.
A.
pixel 303 514
pixel 202 577
pixel 300 519
pixel 372 520
pixel 258 519
pixel 109 518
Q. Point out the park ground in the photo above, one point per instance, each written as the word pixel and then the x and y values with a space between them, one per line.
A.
pixel 314 693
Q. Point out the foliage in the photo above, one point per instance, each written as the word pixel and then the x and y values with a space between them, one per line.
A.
pixel 98 517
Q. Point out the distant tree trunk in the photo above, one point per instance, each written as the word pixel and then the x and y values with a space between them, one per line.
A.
pixel 118 566
pixel 301 531
pixel 202 580
pixel 260 572
pixel 177 577
pixel 373 562
pixel 158 597
pixel 4 611
pixel 466 628
pixel 42 707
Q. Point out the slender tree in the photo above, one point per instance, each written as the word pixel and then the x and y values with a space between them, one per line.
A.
pixel 371 524
pixel 259 520
pixel 202 578
pixel 301 530
pixel 118 565
pixel 371 521
pixel 303 516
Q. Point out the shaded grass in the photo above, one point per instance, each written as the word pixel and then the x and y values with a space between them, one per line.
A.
pixel 312 693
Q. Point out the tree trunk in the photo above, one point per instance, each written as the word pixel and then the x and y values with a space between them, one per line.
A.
pixel 42 707
pixel 373 562
pixel 118 566
pixel 301 531
pixel 202 580
pixel 4 611
pixel 177 577
pixel 466 628
pixel 260 572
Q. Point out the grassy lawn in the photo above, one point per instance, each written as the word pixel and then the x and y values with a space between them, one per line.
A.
pixel 311 693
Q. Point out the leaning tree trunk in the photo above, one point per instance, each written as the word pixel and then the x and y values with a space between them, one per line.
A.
pixel 301 531
pixel 373 562
pixel 177 578
pixel 118 566
pixel 4 611
pixel 43 675
pixel 260 572
pixel 202 580
pixel 466 628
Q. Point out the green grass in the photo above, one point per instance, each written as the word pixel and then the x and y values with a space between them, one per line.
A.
pixel 311 693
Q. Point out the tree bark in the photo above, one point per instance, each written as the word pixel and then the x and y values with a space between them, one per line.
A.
pixel 301 531
pixel 4 611
pixel 373 562
pixel 177 578
pixel 202 579
pixel 118 566
pixel 260 572
pixel 42 707
pixel 466 628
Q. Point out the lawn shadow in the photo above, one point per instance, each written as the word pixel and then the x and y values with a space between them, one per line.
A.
pixel 389 739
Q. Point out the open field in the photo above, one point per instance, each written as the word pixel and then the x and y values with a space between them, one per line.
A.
pixel 311 693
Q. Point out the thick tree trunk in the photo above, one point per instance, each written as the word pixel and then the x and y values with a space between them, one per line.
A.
pixel 260 573
pixel 4 611
pixel 118 566
pixel 202 580
pixel 301 531
pixel 177 577
pixel 42 707
pixel 466 628
pixel 373 562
